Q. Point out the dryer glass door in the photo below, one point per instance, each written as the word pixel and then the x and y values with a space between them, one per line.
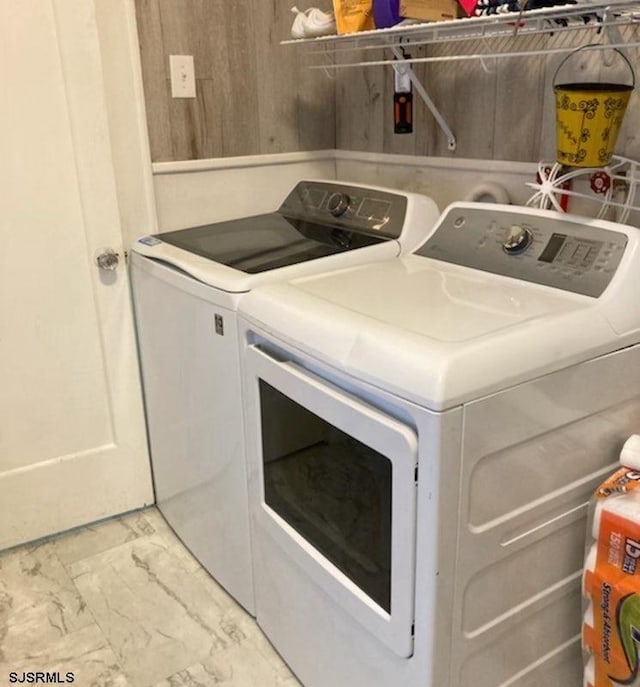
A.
pixel 332 489
pixel 338 488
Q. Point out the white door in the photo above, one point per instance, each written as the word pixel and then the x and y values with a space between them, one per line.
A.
pixel 72 437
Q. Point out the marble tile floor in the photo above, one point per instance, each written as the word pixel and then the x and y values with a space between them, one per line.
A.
pixel 123 604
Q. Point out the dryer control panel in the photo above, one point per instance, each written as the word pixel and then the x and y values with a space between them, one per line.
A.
pixel 532 246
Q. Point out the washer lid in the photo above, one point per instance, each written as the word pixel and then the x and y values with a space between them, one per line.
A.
pixel 265 242
pixel 432 332
pixel 426 298
pixel 320 226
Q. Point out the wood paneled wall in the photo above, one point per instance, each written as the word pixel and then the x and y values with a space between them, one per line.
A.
pixel 256 96
pixel 500 109
pixel 253 96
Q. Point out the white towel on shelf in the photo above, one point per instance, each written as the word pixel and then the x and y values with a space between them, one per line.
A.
pixel 312 23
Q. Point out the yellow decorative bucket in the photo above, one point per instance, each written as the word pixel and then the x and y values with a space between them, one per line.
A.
pixel 589 117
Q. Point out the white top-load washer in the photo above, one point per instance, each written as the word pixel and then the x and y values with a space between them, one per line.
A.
pixel 186 286
pixel 423 435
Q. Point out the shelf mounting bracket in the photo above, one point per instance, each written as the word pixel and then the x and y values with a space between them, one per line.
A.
pixel 614 36
pixel 420 89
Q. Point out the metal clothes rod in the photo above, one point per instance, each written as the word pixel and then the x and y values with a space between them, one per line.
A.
pixel 475 56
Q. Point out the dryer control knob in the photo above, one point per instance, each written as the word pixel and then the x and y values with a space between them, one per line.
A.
pixel 518 239
pixel 338 204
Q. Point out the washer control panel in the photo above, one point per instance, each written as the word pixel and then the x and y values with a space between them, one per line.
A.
pixel 545 250
pixel 352 208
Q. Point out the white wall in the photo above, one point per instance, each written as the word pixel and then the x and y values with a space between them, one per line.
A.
pixel 443 179
pixel 201 191
pixel 197 192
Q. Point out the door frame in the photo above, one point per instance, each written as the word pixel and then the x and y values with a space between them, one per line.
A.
pixel 127 117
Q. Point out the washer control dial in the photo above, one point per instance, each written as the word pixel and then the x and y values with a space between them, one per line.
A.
pixel 338 204
pixel 517 240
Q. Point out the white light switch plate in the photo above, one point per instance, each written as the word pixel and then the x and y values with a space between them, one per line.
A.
pixel 183 80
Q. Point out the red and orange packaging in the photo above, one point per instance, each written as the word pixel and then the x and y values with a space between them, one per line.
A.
pixel 611 583
pixel 353 15
pixel 357 15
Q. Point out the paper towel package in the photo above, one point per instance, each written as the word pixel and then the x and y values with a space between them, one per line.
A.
pixel 630 456
pixel 611 583
pixel 589 673
pixel 608 635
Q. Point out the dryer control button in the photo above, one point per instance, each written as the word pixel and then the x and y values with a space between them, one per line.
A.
pixel 517 240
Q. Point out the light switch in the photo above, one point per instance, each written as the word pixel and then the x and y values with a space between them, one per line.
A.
pixel 183 80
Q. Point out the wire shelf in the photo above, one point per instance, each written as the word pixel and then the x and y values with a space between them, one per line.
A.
pixel 605 25
pixel 586 17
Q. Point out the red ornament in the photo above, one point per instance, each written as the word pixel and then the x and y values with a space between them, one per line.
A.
pixel 600 182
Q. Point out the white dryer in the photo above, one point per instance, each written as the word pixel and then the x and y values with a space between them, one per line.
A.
pixel 423 435
pixel 186 286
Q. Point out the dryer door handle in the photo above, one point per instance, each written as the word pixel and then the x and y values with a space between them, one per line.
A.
pixel 341 396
